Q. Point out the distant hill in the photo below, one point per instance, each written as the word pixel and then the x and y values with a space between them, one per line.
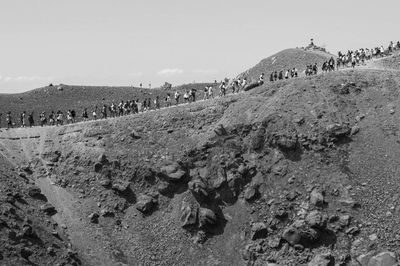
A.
pixel 286 59
pixel 64 97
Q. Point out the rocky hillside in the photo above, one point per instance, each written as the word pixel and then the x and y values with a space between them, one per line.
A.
pixel 298 172
pixel 287 59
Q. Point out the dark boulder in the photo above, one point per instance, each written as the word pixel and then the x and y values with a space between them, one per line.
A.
pixel 146 204
pixel 259 230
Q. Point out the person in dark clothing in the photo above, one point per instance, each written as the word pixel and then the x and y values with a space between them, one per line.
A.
pixel 30 120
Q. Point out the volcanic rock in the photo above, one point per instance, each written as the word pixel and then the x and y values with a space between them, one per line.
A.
pixel 145 204
pixel 383 259
pixel 259 230
pixel 174 172
pixel 316 219
pixel 206 217
pixel 317 198
pixel 198 188
pixel 120 186
pixel 48 209
pixel 324 259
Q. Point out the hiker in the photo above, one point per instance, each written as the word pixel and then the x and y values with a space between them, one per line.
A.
pixel 210 92
pixel 244 83
pixel 275 75
pixel 23 115
pixel 59 118
pixel 280 76
pixel 148 104
pixel 186 96
pixel 261 79
pixel 287 74
pixel 176 96
pixel 222 89
pixel 168 100
pixel 8 120
pixel 73 116
pixel 104 112
pixel 205 93
pixel 85 115
pixel 51 118
pixel 30 120
pixel 271 77
pixel 193 95
pixel 157 102
pixel 94 113
pixel 43 119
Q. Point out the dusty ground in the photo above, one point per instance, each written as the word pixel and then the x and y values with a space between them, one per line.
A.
pixel 299 172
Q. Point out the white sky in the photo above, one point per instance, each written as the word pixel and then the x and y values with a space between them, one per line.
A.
pixel 125 42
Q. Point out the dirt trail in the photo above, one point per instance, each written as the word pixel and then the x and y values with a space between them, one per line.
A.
pixel 21 146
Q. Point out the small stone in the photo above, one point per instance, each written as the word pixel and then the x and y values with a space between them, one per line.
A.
pixel 206 217
pixel 373 237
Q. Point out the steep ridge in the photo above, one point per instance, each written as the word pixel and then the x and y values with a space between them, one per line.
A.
pixel 287 59
pixel 288 173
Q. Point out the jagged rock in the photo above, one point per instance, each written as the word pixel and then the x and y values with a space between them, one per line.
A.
pixel 286 142
pixel 188 214
pixel 324 259
pixel 344 220
pixel 174 172
pixel 354 130
pixel 259 230
pixel 105 182
pixel 206 217
pixel 235 180
pixel 26 253
pixel 338 130
pixel 251 193
pixel 164 188
pixel 257 142
pixel 134 135
pixel 353 230
pixel 274 242
pixel 34 191
pixel 120 186
pixel 317 198
pixel 98 167
pixel 349 202
pixel 106 212
pixel 198 188
pixel 220 179
pixel 145 204
pixel 48 208
pixel 383 259
pixel 299 234
pixel 94 218
pixel 220 130
pixel 102 159
pixel 316 219
pixel 27 169
pixel 53 156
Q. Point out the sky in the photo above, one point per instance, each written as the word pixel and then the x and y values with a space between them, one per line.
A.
pixel 128 42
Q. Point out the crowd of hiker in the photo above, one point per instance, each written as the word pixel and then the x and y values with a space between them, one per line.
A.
pixel 351 58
